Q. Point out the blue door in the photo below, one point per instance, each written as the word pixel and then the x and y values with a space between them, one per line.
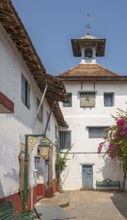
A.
pixel 87 176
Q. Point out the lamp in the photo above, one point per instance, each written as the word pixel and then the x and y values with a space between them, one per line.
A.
pixel 43 148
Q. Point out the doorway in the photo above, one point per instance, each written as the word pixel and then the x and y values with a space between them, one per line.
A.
pixel 87 176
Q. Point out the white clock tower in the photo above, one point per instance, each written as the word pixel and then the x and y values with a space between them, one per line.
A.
pixel 94 94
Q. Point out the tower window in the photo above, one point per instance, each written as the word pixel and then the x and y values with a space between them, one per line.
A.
pixel 108 99
pixel 88 52
pixel 69 103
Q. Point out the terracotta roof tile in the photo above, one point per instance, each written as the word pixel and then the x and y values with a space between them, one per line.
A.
pixel 88 70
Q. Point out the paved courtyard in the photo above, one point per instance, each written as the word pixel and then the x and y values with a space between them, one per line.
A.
pixel 89 205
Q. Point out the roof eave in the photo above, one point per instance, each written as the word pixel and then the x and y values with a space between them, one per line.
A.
pixel 92 78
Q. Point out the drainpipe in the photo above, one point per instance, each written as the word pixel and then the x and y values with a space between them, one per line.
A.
pixel 45 90
pixel 48 119
pixel 42 100
pixel 25 174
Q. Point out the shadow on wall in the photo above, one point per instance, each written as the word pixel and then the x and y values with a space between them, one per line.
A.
pixel 1 191
pixel 111 170
pixel 42 170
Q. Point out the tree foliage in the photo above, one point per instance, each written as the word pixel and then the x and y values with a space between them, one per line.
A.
pixel 61 160
pixel 116 140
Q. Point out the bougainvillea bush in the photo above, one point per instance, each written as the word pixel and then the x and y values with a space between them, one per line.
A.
pixel 116 141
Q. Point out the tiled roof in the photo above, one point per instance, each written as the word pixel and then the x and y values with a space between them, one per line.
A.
pixel 90 72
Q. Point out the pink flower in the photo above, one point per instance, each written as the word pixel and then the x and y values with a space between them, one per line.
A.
pixel 110 145
pixel 120 121
pixel 115 134
pixel 105 137
pixel 122 134
pixel 100 148
pixel 123 128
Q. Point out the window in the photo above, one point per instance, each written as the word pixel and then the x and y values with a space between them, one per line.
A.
pixel 97 132
pixel 25 91
pixel 48 120
pixel 108 99
pixel 56 131
pixel 68 104
pixel 40 113
pixel 65 139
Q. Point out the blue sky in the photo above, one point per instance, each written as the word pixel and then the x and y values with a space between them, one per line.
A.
pixel 52 23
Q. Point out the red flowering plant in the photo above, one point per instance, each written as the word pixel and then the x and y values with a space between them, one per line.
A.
pixel 116 141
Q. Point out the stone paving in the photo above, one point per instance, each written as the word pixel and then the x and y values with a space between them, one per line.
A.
pixel 90 205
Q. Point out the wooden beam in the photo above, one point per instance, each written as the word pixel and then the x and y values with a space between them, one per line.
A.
pixel 5 12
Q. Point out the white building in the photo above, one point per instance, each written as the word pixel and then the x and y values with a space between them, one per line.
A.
pixel 23 84
pixel 94 93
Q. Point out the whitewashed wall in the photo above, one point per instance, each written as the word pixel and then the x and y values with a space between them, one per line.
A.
pixel 84 150
pixel 103 168
pixel 14 126
pixel 119 90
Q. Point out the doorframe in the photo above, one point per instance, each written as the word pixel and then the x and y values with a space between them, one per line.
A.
pixel 91 164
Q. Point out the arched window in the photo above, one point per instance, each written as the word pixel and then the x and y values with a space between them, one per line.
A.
pixel 88 52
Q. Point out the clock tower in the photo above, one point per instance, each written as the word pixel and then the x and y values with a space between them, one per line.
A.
pixel 94 94
pixel 88 48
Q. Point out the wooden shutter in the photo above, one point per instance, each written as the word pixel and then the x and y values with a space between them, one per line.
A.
pixel 28 95
pixel 23 89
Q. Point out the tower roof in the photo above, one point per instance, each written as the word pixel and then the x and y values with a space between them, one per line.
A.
pixel 88 41
pixel 90 72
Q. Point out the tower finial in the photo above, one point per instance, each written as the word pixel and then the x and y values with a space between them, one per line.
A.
pixel 88 25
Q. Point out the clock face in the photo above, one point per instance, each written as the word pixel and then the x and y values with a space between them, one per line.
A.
pixel 87 99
